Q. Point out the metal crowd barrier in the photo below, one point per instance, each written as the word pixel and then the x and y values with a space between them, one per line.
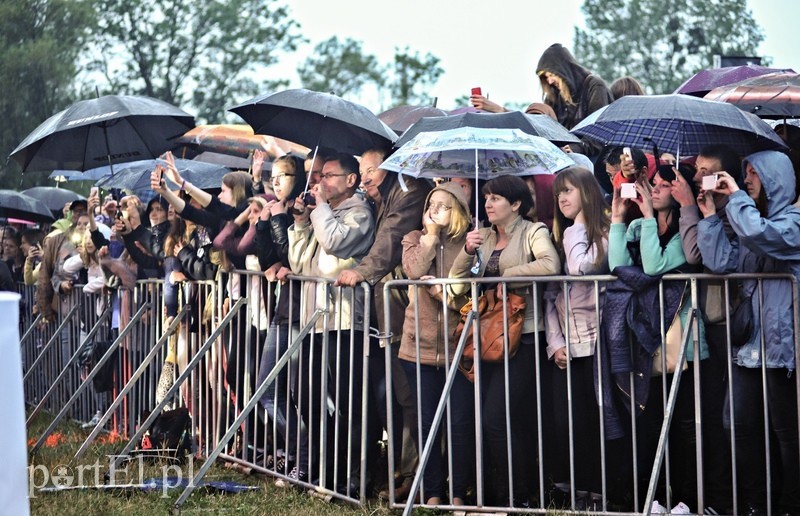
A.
pixel 219 354
pixel 647 476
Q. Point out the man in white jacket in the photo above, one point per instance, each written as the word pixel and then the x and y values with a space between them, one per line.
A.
pixel 332 237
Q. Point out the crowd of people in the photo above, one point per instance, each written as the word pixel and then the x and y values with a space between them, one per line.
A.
pixel 347 220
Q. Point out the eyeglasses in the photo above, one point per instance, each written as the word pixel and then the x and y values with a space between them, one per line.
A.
pixel 277 177
pixel 435 208
pixel 331 174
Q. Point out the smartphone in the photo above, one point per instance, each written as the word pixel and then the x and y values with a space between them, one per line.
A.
pixel 476 91
pixel 309 199
pixel 628 191
pixel 627 151
pixel 710 181
pixel 94 191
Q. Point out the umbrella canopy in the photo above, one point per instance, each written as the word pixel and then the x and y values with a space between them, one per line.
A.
pixel 237 140
pixel 401 118
pixel 536 125
pixel 111 129
pixel 76 175
pixel 679 124
pixel 135 176
pixel 227 160
pixel 53 198
pixel 775 95
pixel 312 119
pixel 477 153
pixel 470 151
pixel 18 205
pixel 704 81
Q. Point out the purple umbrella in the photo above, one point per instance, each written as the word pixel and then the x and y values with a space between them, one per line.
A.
pixel 401 118
pixel 704 81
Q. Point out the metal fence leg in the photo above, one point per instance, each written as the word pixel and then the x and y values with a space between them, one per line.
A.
pixel 89 378
pixel 68 368
pixel 178 381
pixel 129 385
pixel 273 375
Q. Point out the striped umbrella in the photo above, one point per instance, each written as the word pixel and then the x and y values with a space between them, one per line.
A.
pixel 774 95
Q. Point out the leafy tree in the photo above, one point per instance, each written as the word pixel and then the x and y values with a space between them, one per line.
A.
pixel 413 76
pixel 662 44
pixel 40 41
pixel 180 51
pixel 341 67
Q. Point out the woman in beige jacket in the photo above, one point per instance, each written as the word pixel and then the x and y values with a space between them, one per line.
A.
pixel 513 246
pixel 428 340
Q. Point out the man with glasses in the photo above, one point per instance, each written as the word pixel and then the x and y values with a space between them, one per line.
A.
pixel 333 236
pixel 398 211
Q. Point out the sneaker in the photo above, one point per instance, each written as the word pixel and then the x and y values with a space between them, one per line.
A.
pixel 94 421
pixel 295 476
pixel 681 508
pixel 657 508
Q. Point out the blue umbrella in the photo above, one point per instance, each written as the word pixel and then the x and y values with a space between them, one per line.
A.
pixel 53 198
pixel 679 124
pixel 135 176
pixel 76 175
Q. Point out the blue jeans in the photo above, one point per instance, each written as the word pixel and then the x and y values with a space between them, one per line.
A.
pixel 430 384
pixel 275 397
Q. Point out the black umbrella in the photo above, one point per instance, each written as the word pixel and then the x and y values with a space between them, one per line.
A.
pixel 17 205
pixel 103 131
pixel 316 119
pixel 536 125
pixel 53 198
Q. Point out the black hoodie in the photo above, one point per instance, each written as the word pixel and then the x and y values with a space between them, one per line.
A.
pixel 589 92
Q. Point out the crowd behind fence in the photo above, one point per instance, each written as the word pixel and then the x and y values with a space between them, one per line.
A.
pixel 297 398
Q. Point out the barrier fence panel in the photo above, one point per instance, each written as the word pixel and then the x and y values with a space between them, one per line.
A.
pixel 295 388
pixel 310 397
pixel 616 435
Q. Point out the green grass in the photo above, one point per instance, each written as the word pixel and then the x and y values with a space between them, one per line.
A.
pixel 265 501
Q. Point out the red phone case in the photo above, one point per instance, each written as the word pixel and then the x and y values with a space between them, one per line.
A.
pixel 476 91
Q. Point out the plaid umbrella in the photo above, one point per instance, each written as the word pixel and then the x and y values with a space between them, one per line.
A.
pixel 704 81
pixel 679 124
pixel 775 95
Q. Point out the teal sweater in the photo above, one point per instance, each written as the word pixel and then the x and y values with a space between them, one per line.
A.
pixel 655 261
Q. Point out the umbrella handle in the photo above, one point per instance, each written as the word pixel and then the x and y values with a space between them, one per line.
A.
pixel 308 176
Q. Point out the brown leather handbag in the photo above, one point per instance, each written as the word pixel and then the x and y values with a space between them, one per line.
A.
pixel 490 310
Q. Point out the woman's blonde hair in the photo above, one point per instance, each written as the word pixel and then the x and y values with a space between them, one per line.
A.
pixel 459 218
pixel 86 258
pixel 561 87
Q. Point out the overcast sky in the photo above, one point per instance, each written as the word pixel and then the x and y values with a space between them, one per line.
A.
pixel 492 44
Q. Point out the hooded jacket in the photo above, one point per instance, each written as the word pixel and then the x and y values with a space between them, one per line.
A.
pixel 768 244
pixel 589 92
pixel 431 255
